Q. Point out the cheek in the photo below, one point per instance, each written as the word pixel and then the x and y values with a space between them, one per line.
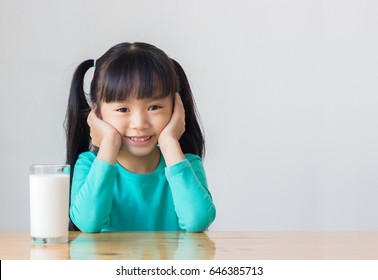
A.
pixel 120 125
pixel 117 123
pixel 162 123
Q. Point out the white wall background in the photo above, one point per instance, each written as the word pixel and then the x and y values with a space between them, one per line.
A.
pixel 287 92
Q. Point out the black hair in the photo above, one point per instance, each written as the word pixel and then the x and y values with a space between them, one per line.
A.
pixel 128 70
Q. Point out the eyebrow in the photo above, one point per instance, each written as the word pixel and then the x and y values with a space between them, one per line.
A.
pixel 155 98
pixel 150 99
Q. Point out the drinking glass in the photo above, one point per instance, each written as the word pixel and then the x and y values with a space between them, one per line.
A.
pixel 49 199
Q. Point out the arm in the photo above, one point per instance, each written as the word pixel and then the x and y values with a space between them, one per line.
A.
pixel 94 178
pixel 187 179
pixel 92 193
pixel 193 202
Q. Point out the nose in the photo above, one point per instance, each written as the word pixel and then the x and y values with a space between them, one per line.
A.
pixel 139 120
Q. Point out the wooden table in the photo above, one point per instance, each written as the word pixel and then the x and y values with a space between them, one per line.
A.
pixel 196 246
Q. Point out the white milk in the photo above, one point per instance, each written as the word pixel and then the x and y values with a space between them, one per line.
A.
pixel 49 198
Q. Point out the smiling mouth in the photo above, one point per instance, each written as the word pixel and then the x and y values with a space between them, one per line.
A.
pixel 140 139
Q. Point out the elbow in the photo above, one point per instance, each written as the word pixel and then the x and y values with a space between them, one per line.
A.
pixel 89 229
pixel 194 229
pixel 199 222
pixel 84 224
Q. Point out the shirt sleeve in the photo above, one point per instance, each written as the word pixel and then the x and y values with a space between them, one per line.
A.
pixel 193 202
pixel 92 193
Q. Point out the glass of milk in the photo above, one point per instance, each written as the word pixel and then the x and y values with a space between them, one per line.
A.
pixel 49 199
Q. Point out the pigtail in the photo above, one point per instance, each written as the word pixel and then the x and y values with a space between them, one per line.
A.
pixel 77 129
pixel 192 141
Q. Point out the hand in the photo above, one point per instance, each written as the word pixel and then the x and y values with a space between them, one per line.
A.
pixel 176 125
pixel 171 134
pixel 104 136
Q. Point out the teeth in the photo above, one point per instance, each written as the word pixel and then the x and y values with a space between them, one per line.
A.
pixel 140 139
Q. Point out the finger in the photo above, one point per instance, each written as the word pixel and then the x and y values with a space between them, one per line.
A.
pixel 179 105
pixel 178 98
pixel 179 111
pixel 92 118
pixel 89 118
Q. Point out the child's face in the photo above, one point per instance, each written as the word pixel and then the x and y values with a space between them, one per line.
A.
pixel 139 122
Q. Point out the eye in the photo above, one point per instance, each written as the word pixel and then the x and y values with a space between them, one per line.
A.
pixel 154 108
pixel 122 110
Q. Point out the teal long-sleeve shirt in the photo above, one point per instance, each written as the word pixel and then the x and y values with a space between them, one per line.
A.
pixel 106 197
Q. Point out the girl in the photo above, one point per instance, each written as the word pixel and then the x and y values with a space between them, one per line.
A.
pixel 136 146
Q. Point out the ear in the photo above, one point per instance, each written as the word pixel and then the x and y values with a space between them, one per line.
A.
pixel 173 100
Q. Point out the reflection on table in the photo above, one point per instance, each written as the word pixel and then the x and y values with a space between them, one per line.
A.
pixel 196 246
pixel 147 245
